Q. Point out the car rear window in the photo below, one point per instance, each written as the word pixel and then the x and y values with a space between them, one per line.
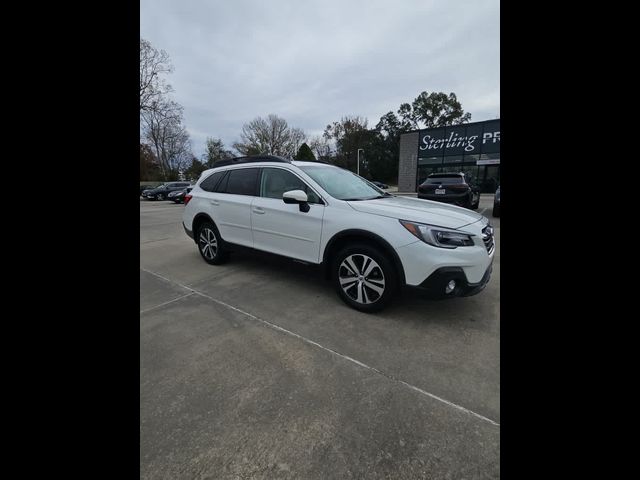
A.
pixel 452 180
pixel 242 181
pixel 209 184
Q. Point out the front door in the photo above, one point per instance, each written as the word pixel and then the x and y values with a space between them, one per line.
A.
pixel 282 228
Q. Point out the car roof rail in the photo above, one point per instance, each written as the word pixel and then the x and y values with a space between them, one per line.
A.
pixel 316 161
pixel 250 159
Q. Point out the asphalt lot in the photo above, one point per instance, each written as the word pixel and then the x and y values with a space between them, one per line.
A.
pixel 256 369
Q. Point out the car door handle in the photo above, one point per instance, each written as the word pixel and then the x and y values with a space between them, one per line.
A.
pixel 258 210
pixel 214 202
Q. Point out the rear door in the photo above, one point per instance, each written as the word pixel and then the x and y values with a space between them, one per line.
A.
pixel 282 228
pixel 231 205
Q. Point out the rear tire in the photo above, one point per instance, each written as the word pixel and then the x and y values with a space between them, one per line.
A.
pixel 210 244
pixel 496 211
pixel 474 206
pixel 364 278
pixel 160 196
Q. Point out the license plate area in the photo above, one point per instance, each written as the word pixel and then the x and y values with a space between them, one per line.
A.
pixel 440 191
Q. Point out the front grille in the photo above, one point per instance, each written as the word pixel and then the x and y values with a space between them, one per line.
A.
pixel 487 238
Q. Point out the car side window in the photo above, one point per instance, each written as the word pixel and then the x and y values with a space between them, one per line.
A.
pixel 242 181
pixel 209 184
pixel 276 181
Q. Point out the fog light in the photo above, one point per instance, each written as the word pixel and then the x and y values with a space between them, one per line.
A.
pixel 450 286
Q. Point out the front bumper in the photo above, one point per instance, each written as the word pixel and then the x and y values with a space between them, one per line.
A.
pixel 420 260
pixel 435 285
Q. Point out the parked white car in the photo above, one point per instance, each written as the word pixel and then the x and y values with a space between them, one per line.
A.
pixel 370 242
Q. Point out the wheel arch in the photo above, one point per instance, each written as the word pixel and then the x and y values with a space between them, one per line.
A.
pixel 198 220
pixel 353 235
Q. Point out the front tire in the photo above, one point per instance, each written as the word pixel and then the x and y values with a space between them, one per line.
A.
pixel 364 278
pixel 496 210
pixel 210 245
pixel 160 196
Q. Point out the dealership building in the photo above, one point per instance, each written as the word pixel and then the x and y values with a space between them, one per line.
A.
pixel 473 148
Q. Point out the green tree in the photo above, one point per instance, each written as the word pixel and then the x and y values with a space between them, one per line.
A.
pixel 348 135
pixel 195 169
pixel 215 151
pixel 305 153
pixel 426 111
pixel 431 110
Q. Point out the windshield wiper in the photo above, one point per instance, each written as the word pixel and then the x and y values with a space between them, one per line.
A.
pixel 371 198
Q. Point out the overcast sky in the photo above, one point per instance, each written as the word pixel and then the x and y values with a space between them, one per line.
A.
pixel 314 61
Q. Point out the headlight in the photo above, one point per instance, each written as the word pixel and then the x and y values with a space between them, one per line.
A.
pixel 438 236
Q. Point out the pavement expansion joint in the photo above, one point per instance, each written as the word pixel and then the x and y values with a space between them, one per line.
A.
pixel 311 342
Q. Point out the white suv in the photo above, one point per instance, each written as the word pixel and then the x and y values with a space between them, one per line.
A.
pixel 370 242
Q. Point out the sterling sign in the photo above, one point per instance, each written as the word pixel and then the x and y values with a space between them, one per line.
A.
pixel 467 139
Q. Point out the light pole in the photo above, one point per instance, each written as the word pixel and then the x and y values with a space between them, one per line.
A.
pixel 358 168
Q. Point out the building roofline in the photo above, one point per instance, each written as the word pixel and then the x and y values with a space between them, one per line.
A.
pixel 447 126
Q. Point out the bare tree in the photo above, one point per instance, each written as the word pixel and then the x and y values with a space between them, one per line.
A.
pixel 271 135
pixel 297 138
pixel 163 128
pixel 153 64
pixel 215 151
pixel 321 148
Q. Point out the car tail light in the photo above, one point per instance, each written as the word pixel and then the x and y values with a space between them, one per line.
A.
pixel 187 198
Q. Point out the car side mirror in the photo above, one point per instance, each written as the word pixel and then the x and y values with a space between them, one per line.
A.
pixel 299 197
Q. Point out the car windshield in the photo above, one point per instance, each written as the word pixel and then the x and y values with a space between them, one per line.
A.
pixel 452 180
pixel 343 184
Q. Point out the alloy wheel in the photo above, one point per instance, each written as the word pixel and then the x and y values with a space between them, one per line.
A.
pixel 361 279
pixel 208 243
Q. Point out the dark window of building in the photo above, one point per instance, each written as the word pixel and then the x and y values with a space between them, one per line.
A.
pixel 471 173
pixel 474 139
pixel 491 137
pixel 448 159
pixel 490 156
pixel 431 142
pixel 242 181
pixel 490 178
pixel 430 161
pixel 455 140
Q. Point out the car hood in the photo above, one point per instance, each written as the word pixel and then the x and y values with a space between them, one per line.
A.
pixel 418 210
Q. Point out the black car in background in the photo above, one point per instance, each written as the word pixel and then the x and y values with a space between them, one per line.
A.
pixel 496 203
pixel 178 195
pixel 381 185
pixel 147 187
pixel 456 188
pixel 162 192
